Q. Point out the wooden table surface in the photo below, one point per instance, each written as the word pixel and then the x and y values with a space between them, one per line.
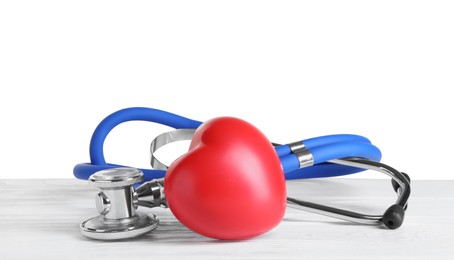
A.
pixel 39 218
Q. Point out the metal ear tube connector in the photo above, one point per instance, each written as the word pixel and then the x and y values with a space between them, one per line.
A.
pixel 392 218
pixel 117 203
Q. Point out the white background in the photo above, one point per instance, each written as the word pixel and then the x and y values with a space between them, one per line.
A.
pixel 295 69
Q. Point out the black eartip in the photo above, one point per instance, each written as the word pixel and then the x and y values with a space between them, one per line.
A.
pixel 396 185
pixel 394 217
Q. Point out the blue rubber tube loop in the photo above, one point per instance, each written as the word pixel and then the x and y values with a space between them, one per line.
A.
pixel 133 114
pixel 282 150
pixel 323 148
pixel 324 153
pixel 290 163
pixel 84 170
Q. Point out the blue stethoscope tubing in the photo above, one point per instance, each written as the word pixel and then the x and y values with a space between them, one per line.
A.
pixel 323 149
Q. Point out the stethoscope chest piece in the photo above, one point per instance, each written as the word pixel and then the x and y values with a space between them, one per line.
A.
pixel 117 203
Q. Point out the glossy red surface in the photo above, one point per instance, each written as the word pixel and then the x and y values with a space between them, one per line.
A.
pixel 230 184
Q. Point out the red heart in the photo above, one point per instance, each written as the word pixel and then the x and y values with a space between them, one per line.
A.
pixel 230 184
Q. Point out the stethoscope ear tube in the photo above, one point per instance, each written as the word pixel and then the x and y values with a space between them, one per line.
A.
pixel 392 218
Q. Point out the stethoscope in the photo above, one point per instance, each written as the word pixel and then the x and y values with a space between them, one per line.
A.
pixel 231 182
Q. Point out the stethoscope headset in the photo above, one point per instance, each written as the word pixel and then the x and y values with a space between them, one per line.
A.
pixel 231 182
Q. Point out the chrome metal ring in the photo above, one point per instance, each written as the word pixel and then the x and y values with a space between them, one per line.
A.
pixel 167 138
pixel 305 157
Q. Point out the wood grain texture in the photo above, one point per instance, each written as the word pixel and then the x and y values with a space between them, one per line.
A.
pixel 40 219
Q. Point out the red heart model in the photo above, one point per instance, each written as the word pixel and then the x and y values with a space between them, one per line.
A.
pixel 230 184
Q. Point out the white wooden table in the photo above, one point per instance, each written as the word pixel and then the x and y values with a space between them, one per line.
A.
pixel 40 219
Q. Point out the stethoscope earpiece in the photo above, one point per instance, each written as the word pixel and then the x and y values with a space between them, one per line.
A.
pixel 394 216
